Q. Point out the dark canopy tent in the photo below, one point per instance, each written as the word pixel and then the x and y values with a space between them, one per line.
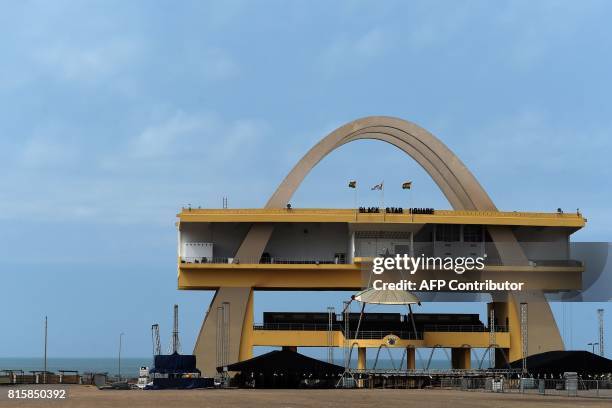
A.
pixel 284 369
pixel 177 371
pixel 175 364
pixel 558 362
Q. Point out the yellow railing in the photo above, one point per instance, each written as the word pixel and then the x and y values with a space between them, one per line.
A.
pixel 342 211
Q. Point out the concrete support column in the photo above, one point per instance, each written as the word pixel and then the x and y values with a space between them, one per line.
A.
pixel 410 358
pixel 361 358
pixel 542 328
pixel 502 357
pixel 461 358
pixel 240 324
pixel 246 340
pixel 361 363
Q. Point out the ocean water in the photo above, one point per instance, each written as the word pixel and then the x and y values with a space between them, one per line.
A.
pixel 436 364
pixel 129 366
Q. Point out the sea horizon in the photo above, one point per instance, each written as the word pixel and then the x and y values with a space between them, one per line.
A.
pixel 130 365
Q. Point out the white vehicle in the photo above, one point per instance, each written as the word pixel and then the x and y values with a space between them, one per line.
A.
pixel 143 378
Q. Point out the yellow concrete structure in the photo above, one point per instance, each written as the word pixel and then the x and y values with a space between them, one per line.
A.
pixel 244 272
pixel 461 357
pixel 361 358
pixel 275 215
pixel 349 276
pixel 318 338
pixel 410 358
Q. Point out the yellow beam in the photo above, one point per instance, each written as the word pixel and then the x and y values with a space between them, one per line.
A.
pixel 350 276
pixel 571 220
pixel 461 358
pixel 259 278
pixel 462 339
pixel 318 338
pixel 300 338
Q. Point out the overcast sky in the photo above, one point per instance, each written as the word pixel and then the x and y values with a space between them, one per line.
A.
pixel 113 115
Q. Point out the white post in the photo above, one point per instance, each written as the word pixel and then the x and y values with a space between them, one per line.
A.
pixel 45 364
pixel 120 336
pixel 412 244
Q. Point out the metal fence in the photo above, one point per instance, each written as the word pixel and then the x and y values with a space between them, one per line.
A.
pixel 249 261
pixel 462 328
pixel 18 377
pixel 363 334
pixel 381 334
pixel 378 334
pixel 557 387
pixel 296 326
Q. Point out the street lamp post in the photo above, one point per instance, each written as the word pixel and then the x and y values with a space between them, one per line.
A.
pixel 45 363
pixel 120 337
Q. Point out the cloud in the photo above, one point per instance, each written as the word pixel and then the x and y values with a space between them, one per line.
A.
pixel 371 44
pixel 184 133
pixel 71 61
pixel 217 65
pixel 530 138
pixel 541 29
pixel 144 178
pixel 348 50
pixel 42 152
pixel 163 138
pixel 438 26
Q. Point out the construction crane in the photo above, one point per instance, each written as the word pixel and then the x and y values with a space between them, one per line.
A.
pixel 175 344
pixel 155 340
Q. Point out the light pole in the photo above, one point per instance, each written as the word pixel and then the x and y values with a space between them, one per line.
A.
pixel 120 337
pixel 45 363
pixel 593 346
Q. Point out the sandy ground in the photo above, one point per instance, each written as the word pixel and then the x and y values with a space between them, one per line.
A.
pixel 89 396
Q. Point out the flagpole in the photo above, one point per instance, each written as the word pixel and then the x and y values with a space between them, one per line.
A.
pixel 353 184
pixel 355 201
pixel 411 203
pixel 382 193
pixel 410 197
pixel 408 186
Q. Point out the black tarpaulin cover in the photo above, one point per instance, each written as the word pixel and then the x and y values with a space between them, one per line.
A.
pixel 181 383
pixel 284 361
pixel 175 363
pixel 558 362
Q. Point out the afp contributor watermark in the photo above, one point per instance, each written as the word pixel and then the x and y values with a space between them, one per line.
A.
pixel 412 264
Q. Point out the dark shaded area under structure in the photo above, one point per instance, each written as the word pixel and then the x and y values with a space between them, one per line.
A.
pixel 558 362
pixel 391 322
pixel 284 369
